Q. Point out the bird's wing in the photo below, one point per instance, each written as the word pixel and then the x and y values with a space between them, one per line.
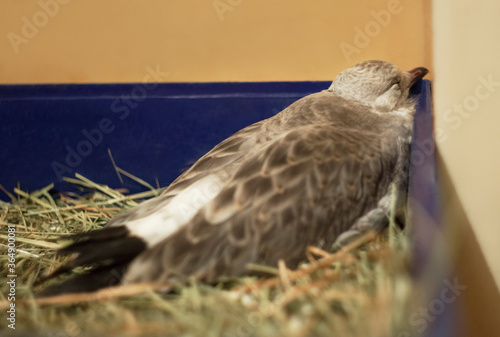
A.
pixel 219 159
pixel 128 234
pixel 306 187
pixel 218 162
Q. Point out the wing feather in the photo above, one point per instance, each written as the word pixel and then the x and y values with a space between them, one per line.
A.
pixel 221 158
pixel 218 162
pixel 305 188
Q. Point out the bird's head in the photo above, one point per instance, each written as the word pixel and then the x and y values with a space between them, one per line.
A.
pixel 379 84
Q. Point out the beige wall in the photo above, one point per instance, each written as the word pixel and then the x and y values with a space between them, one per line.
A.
pixel 467 103
pixel 204 40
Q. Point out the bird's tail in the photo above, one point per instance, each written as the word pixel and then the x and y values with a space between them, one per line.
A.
pixel 106 251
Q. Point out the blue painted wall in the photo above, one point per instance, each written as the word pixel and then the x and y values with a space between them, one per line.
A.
pixel 153 130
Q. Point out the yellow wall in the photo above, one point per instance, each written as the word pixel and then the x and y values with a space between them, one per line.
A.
pixel 210 40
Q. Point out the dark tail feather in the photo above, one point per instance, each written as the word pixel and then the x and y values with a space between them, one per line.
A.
pixel 110 248
pixel 94 280
pixel 104 252
pixel 105 233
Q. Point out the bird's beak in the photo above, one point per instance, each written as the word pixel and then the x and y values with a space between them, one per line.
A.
pixel 416 75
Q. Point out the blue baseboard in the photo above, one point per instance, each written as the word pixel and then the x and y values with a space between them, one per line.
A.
pixel 153 130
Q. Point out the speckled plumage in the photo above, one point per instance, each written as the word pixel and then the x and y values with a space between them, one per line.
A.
pixel 318 173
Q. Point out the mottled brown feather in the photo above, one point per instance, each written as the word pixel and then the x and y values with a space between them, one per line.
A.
pixel 315 202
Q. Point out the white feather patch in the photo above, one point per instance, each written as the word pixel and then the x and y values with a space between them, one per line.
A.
pixel 158 225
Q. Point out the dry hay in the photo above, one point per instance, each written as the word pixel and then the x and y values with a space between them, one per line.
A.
pixel 361 290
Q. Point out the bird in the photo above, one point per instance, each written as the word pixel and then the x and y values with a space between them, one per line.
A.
pixel 321 172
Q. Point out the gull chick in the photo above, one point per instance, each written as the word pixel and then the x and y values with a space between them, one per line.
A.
pixel 319 173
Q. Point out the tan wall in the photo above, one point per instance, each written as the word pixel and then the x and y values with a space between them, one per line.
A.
pixel 194 40
pixel 467 103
